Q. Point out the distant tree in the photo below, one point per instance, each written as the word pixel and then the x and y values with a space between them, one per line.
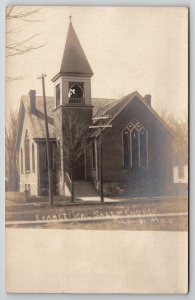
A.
pixel 75 135
pixel 11 166
pixel 180 138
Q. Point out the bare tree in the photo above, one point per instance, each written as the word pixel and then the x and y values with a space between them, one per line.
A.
pixel 180 139
pixel 10 153
pixel 19 46
pixel 19 37
pixel 75 141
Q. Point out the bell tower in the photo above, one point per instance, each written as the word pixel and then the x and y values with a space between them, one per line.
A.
pixel 72 92
pixel 72 83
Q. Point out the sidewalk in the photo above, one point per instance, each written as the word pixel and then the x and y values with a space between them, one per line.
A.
pixel 17 199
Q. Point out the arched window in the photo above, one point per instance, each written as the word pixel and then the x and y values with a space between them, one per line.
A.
pixel 126 152
pixel 21 161
pixel 135 145
pixel 27 152
pixel 57 95
pixel 143 147
pixel 76 92
pixel 33 157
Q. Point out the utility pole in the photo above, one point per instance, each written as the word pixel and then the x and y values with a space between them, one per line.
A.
pixel 48 146
pixel 101 126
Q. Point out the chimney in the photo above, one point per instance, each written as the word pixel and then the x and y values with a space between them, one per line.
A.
pixel 32 95
pixel 147 99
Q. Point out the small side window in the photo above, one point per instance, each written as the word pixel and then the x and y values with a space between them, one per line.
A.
pixel 57 95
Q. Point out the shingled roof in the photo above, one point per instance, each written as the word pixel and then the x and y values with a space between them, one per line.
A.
pixel 115 107
pixel 98 103
pixel 101 107
pixel 37 118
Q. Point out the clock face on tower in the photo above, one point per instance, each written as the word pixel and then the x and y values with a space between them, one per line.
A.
pixel 76 92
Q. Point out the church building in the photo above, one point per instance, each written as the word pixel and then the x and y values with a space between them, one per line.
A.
pixel 137 147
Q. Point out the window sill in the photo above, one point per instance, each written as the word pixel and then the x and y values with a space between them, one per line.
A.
pixel 26 172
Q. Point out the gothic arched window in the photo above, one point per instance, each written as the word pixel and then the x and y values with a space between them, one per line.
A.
pixel 33 157
pixel 143 147
pixel 27 152
pixel 126 152
pixel 21 161
pixel 135 145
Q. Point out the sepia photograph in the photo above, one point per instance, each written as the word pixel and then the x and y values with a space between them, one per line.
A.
pixel 110 154
pixel 96 131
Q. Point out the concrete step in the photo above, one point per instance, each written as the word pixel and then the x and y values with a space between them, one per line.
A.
pixel 83 184
pixel 85 189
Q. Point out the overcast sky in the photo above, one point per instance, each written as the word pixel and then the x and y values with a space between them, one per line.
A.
pixel 143 49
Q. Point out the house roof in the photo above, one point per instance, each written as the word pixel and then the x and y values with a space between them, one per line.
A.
pixel 101 107
pixel 114 108
pixel 98 103
pixel 74 60
pixel 37 121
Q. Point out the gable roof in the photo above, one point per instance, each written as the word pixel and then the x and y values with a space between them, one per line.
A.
pixel 36 119
pixel 98 103
pixel 116 107
pixel 102 106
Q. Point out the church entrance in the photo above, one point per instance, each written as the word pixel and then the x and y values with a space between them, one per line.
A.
pixel 79 169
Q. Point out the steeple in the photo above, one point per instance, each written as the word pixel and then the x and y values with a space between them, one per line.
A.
pixel 74 61
pixel 72 94
pixel 73 81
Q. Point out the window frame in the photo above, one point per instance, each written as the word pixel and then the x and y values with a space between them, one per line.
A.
pixel 72 99
pixel 27 163
pixel 58 94
pixel 134 123
pixel 33 158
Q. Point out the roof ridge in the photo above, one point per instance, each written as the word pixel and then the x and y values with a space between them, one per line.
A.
pixel 129 98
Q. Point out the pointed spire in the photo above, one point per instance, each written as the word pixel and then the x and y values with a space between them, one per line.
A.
pixel 74 60
pixel 70 16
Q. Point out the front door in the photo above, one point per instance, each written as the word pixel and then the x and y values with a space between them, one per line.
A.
pixel 79 169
